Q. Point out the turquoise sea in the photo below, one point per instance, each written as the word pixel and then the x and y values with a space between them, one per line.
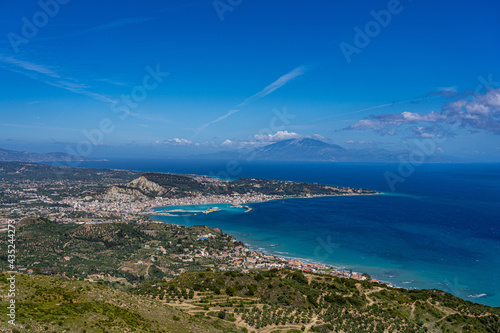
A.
pixel 440 228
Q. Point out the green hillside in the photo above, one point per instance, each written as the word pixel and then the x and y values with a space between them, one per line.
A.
pixel 118 253
pixel 273 301
pixel 157 277
pixel 49 304
pixel 287 299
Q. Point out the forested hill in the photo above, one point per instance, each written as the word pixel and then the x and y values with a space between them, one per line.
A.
pixel 151 185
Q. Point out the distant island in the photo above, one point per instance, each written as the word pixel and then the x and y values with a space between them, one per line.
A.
pixel 308 149
pixel 305 149
pixel 25 156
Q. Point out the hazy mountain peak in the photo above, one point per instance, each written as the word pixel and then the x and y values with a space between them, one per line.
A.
pixel 25 156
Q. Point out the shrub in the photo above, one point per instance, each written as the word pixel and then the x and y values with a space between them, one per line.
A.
pixel 221 314
pixel 230 291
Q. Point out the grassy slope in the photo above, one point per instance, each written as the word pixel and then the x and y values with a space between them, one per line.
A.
pixel 287 299
pixel 57 305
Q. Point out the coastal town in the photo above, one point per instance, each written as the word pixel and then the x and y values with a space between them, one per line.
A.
pixel 89 210
pixel 115 199
pixel 67 201
pixel 243 259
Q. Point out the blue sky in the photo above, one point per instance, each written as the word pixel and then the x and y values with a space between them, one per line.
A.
pixel 248 73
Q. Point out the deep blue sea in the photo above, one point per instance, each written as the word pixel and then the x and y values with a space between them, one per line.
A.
pixel 440 228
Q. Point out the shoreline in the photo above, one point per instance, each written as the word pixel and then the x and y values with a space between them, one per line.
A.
pixel 151 209
pixel 303 264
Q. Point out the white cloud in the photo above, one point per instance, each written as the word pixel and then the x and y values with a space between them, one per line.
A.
pixel 278 136
pixel 481 112
pixel 477 108
pixel 318 137
pixel 362 142
pixel 415 117
pixel 177 142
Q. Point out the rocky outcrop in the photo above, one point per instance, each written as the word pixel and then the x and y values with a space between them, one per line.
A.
pixel 146 186
pixel 138 189
pixel 124 194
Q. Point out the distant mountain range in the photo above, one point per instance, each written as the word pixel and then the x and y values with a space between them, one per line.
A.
pixel 308 149
pixel 25 156
pixel 305 149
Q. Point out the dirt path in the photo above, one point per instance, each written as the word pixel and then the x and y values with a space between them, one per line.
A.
pixel 412 312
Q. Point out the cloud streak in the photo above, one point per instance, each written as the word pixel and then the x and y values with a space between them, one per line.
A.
pixel 123 22
pixel 118 23
pixel 49 76
pixel 230 112
pixel 280 82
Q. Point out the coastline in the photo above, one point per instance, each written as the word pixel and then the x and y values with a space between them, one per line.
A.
pixel 216 202
pixel 283 261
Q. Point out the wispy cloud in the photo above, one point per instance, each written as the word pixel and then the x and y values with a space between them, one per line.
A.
pixel 280 82
pixel 51 128
pixel 480 112
pixel 123 22
pixel 230 112
pixel 301 70
pixel 156 119
pixel 50 76
pixel 118 23
pixel 112 82
pixel 28 66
